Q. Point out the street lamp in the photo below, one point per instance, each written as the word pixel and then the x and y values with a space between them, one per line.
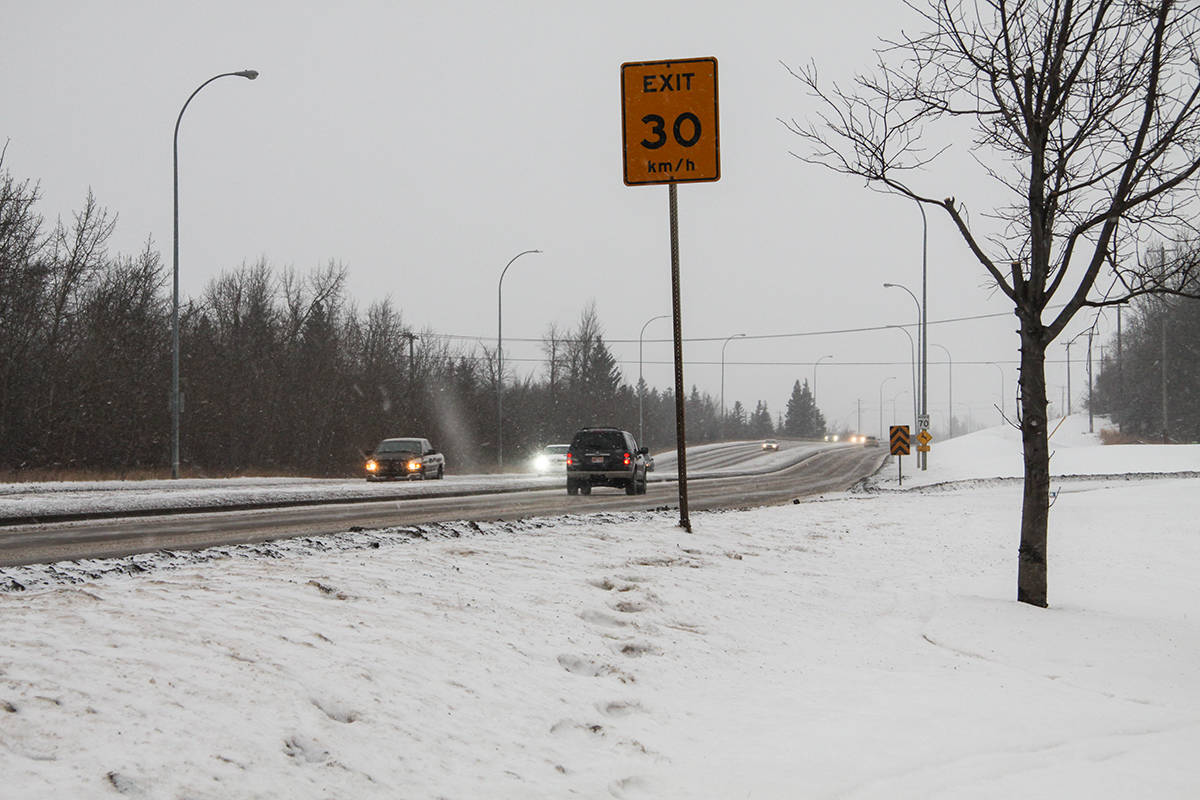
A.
pixel 912 354
pixel 923 457
pixel 642 383
pixel 895 397
pixel 249 74
pixel 997 366
pixel 814 391
pixel 727 341
pixel 883 438
pixel 949 383
pixel 921 344
pixel 1069 343
pixel 500 358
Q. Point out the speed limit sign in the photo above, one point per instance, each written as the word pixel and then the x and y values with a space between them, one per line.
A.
pixel 669 121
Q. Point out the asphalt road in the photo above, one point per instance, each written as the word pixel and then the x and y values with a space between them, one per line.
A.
pixel 825 470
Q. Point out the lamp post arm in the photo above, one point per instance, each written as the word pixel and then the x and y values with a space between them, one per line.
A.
pixel 814 383
pixel 727 341
pixel 923 334
pixel 249 74
pixel 500 315
pixel 500 356
pixel 881 385
pixel 641 334
pixel 950 384
pixel 641 392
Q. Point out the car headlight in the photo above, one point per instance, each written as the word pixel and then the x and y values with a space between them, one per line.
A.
pixel 414 465
pixel 372 465
pixel 541 463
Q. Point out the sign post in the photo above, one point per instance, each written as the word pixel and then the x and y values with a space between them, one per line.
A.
pixel 898 437
pixel 669 130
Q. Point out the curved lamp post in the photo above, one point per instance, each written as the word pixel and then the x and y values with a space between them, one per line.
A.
pixel 921 345
pixel 500 357
pixel 922 314
pixel 882 437
pixel 641 383
pixel 814 391
pixel 913 359
pixel 997 366
pixel 896 397
pixel 950 384
pixel 924 330
pixel 249 74
pixel 727 341
pixel 1070 342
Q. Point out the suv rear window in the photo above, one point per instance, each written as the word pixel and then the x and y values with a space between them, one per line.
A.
pixel 599 440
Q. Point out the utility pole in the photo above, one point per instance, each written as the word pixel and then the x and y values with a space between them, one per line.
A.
pixel 1120 374
pixel 1163 363
pixel 411 337
pixel 1091 428
pixel 1069 377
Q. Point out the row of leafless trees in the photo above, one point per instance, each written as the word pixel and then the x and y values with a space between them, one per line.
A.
pixel 280 372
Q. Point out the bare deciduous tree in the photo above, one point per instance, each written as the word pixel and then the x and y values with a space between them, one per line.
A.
pixel 1087 112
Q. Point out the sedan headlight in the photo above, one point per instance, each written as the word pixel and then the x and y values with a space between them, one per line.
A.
pixel 541 464
pixel 372 465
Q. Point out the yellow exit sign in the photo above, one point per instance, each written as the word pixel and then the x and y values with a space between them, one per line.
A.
pixel 669 121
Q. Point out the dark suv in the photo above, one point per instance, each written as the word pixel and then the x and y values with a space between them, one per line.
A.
pixel 605 457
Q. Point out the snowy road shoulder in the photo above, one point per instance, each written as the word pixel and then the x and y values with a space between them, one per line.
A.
pixel 864 645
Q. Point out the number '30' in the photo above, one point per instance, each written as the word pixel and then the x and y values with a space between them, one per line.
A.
pixel 658 130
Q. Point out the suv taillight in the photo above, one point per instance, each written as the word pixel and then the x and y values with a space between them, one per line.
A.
pixel 628 459
pixel 570 459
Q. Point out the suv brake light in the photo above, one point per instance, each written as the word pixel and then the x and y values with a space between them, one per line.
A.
pixel 570 459
pixel 628 459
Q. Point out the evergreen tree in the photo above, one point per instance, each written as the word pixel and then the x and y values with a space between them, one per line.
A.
pixel 736 423
pixel 761 426
pixel 804 419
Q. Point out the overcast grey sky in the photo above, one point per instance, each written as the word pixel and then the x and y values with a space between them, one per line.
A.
pixel 423 145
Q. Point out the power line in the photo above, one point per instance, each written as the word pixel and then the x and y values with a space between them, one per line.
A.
pixel 830 365
pixel 797 334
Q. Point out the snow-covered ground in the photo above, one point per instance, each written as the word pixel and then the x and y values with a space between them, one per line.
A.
pixel 862 645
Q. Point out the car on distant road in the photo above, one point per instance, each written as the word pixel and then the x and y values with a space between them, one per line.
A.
pixel 770 444
pixel 551 458
pixel 605 457
pixel 871 441
pixel 405 458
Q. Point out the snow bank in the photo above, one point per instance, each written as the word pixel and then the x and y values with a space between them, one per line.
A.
pixel 861 645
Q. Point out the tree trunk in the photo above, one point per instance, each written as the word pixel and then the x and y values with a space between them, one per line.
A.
pixel 1035 510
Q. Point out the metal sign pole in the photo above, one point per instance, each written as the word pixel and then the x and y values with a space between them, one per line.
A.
pixel 680 435
pixel 898 441
pixel 669 133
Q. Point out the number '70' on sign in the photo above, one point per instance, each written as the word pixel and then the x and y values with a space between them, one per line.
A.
pixel 669 118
